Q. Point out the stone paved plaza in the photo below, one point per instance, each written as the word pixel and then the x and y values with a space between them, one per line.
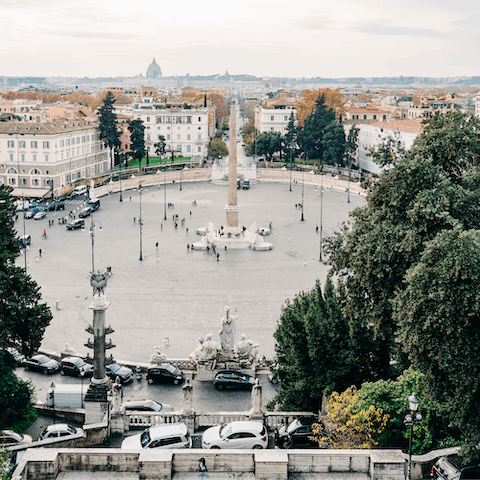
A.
pixel 175 293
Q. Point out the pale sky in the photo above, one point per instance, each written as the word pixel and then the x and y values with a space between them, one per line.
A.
pixel 291 38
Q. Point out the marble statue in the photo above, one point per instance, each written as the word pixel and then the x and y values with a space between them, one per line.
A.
pixel 187 397
pixel 196 355
pixel 243 347
pixel 209 348
pixel 158 357
pixel 227 331
pixel 117 396
pixel 256 398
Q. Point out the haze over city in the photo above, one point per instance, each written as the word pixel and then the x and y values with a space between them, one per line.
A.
pixel 306 38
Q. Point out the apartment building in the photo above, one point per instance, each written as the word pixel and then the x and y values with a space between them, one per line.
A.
pixel 269 120
pixel 38 157
pixel 187 131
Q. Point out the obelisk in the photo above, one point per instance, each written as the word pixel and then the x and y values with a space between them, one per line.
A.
pixel 232 208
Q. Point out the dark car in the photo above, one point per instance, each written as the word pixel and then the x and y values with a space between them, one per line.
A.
pixel 85 212
pixel 75 366
pixel 41 363
pixel 38 209
pixel 76 224
pixel 147 406
pixel 114 371
pixel 53 206
pixel 164 373
pixel 94 203
pixel 232 379
pixel 296 435
pixel 444 469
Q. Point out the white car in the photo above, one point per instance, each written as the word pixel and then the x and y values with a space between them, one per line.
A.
pixel 236 435
pixel 40 215
pixel 168 435
pixel 9 438
pixel 59 430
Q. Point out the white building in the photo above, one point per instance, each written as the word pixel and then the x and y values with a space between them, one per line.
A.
pixel 187 131
pixel 269 120
pixel 38 157
pixel 371 135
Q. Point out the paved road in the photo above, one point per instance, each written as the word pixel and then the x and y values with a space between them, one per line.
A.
pixel 176 295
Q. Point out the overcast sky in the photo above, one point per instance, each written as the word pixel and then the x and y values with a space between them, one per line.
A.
pixel 292 38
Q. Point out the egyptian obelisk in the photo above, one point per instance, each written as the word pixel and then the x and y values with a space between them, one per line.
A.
pixel 232 208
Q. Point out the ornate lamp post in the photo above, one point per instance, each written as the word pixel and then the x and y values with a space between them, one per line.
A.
pixel 121 159
pixel 140 223
pixel 303 191
pixel 179 150
pixel 164 192
pixel 410 420
pixel 290 167
pixel 321 219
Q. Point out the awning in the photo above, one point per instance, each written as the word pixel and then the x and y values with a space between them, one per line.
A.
pixel 30 192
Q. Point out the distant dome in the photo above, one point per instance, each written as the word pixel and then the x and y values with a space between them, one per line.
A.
pixel 154 70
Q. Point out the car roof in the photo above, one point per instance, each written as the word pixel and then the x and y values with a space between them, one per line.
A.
pixel 57 426
pixel 242 426
pixel 167 429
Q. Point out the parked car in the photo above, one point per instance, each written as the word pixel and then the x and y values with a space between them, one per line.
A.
pixel 298 434
pixel 80 190
pixel 114 371
pixel 79 223
pixel 41 363
pixel 19 358
pixel 40 215
pixel 29 214
pixel 164 373
pixel 242 434
pixel 59 430
pixel 53 206
pixel 444 469
pixel 76 366
pixel 168 435
pixel 147 406
pixel 38 209
pixel 9 438
pixel 234 380
pixel 85 212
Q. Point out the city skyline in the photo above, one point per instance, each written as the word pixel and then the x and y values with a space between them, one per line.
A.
pixel 310 38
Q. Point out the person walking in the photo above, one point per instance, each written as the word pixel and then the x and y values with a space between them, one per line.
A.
pixel 40 252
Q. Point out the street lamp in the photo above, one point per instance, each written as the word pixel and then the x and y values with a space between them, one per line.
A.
pixel 290 167
pixel 164 192
pixel 121 198
pixel 321 219
pixel 410 420
pixel 52 397
pixel 303 191
pixel 179 152
pixel 140 223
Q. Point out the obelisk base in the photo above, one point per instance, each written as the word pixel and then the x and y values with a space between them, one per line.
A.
pixel 232 220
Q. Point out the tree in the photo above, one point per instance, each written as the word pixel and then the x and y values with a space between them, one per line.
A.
pixel 314 349
pixel 438 313
pixel 334 143
pixel 307 104
pixel 221 107
pixel 268 144
pixel 310 134
pixel 351 144
pixel 108 124
pixel 290 137
pixel 348 424
pixel 137 140
pixel 160 146
pixel 216 148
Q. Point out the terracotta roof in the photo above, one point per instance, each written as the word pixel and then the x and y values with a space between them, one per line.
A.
pixel 411 126
pixel 48 128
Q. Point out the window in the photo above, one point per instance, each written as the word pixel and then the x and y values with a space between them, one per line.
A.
pixel 21 144
pixel 364 117
pixel 285 118
pixel 73 141
pixel 168 137
pixel 199 149
pixel 188 137
pixel 22 157
pixel 199 136
pixel 46 144
pixel 35 171
pixel 189 119
pixel 148 119
pixel 169 119
pixel 62 143
pixel 10 144
pixel 88 138
pixel 23 181
pixel 189 148
pixel 384 117
pixel 78 174
pixel 272 118
pixel 46 182
pixel 12 171
pixel 83 139
pixel 33 144
pixel 61 156
pixel 179 137
pixel 374 117
pixel 10 157
pixel 35 182
pixel 34 157
pixel 179 119
pixel 11 181
pixel 158 119
pixel 46 157
pixel 199 119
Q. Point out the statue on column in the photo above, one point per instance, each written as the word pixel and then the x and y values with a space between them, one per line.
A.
pixel 256 398
pixel 187 398
pixel 117 396
pixel 227 330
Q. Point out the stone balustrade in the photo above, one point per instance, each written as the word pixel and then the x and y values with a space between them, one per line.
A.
pixel 148 419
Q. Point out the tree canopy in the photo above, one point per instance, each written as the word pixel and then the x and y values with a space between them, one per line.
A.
pixel 108 123
pixel 268 144
pixel 307 104
pixel 216 148
pixel 137 139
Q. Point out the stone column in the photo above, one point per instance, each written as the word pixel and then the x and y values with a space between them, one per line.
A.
pixel 256 411
pixel 232 208
pixel 188 415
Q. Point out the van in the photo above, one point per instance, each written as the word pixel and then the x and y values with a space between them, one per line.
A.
pixel 94 203
pixel 246 184
pixel 168 435
pixel 80 190
pixel 68 395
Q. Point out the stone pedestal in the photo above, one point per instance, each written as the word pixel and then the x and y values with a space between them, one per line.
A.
pixel 96 403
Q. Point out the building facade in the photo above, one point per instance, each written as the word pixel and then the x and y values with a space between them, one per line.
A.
pixel 38 157
pixel 270 120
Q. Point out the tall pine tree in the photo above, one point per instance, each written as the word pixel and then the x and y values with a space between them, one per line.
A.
pixel 108 125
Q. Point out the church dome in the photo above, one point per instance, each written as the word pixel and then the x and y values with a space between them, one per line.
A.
pixel 154 70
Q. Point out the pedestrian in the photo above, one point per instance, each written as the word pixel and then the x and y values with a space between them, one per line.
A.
pixel 208 249
pixel 40 252
pixel 186 230
pixel 190 212
pixel 188 246
pixel 213 248
pixel 218 256
pixel 134 220
pixel 316 228
pixel 156 245
pixel 225 248
pixel 130 198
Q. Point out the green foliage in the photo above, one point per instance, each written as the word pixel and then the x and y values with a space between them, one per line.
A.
pixel 351 144
pixel 334 143
pixel 310 134
pixel 108 123
pixel 15 394
pixel 5 464
pixel 315 350
pixel 160 146
pixel 216 148
pixel 137 139
pixel 268 144
pixel 290 138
